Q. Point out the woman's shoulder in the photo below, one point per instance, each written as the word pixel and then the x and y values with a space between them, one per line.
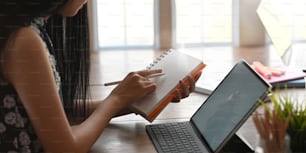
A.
pixel 24 45
pixel 24 41
pixel 24 37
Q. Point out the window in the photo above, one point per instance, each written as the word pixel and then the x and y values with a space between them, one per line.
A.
pixel 134 23
pixel 203 22
pixel 130 23
pixel 125 23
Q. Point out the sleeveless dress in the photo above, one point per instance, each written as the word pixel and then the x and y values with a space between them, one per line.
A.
pixel 16 131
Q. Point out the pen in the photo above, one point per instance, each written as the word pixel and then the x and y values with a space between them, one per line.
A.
pixel 150 76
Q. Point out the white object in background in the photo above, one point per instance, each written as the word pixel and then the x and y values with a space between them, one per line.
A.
pixel 275 16
pixel 206 86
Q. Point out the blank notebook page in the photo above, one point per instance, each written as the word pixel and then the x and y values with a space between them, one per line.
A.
pixel 176 66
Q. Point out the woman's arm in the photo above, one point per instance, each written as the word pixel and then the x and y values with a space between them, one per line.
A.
pixel 27 67
pixel 91 106
pixel 94 103
pixel 186 89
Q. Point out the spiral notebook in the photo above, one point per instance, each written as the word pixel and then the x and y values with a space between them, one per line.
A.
pixel 176 66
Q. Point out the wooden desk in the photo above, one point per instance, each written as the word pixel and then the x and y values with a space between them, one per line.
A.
pixel 127 134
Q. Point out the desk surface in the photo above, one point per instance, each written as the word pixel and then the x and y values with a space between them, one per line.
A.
pixel 127 133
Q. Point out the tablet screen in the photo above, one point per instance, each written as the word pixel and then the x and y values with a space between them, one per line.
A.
pixel 229 105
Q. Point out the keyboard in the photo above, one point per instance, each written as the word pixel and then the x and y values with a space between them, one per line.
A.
pixel 173 138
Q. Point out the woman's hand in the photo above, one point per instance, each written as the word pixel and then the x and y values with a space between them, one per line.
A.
pixel 186 88
pixel 133 87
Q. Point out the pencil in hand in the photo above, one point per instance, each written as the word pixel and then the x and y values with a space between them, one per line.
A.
pixel 117 82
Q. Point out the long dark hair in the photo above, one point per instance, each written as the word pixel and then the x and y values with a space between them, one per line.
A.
pixel 69 37
pixel 73 57
pixel 19 13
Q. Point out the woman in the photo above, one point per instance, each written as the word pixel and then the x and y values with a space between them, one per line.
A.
pixel 34 110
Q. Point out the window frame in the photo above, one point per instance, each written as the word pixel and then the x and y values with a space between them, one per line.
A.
pixel 94 31
pixel 238 27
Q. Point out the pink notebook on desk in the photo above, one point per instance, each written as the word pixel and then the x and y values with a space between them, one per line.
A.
pixel 290 74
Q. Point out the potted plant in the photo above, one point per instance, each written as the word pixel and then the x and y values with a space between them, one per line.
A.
pixel 287 105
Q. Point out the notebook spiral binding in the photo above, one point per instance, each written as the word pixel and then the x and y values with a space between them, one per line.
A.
pixel 158 59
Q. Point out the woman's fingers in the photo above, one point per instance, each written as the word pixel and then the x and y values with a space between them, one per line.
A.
pixel 146 73
pixel 185 89
pixel 191 83
pixel 177 97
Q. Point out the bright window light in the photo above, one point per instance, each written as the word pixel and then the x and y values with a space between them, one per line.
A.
pixel 125 23
pixel 203 21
